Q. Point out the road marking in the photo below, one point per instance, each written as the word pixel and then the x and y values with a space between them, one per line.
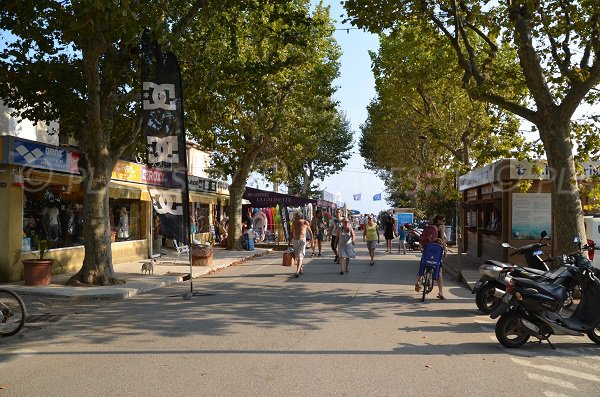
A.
pixel 575 362
pixel 549 393
pixel 559 370
pixel 487 329
pixel 551 381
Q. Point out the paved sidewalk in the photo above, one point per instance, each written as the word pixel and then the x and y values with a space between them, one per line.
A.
pixel 173 269
pixel 170 268
pixel 462 267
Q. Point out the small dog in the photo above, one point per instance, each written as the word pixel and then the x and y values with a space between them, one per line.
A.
pixel 148 267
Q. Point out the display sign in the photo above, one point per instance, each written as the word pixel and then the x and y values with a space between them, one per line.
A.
pixel 531 214
pixel 403 218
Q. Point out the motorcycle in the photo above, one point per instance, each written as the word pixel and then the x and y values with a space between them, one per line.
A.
pixel 534 309
pixel 412 239
pixel 490 287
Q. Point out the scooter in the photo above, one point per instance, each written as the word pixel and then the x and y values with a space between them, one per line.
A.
pixel 490 287
pixel 533 309
pixel 412 239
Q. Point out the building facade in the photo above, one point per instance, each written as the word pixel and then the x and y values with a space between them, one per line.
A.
pixel 510 201
pixel 42 200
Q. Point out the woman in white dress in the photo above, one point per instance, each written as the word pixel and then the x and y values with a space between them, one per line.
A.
pixel 345 239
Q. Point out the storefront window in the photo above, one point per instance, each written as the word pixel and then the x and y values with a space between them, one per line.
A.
pixel 200 220
pixel 53 213
pixel 125 220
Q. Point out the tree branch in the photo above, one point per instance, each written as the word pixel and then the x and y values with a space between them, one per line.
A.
pixel 189 17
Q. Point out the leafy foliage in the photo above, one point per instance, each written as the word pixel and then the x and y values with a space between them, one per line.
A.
pixel 555 45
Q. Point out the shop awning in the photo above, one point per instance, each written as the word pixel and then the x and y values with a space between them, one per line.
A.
pixel 264 198
pixel 124 191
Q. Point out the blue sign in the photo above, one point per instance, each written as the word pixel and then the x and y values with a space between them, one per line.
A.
pixel 404 218
pixel 39 155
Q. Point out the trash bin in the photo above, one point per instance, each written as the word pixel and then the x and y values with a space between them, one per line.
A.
pixel 202 255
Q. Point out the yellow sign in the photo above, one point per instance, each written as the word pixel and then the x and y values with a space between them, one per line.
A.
pixel 126 171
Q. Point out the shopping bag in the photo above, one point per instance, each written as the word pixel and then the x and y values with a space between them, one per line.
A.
pixel 288 258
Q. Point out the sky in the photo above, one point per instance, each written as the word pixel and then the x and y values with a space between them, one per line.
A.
pixel 356 88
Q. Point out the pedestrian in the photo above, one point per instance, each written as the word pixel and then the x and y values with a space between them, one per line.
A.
pixel 334 225
pixel 371 235
pixel 318 227
pixel 388 231
pixel 402 234
pixel 346 241
pixel 361 222
pixel 300 228
pixel 439 221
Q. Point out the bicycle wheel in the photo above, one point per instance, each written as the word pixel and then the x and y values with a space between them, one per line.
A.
pixel 12 313
pixel 427 282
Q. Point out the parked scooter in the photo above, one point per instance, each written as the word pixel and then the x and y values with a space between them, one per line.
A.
pixel 491 286
pixel 533 309
pixel 412 239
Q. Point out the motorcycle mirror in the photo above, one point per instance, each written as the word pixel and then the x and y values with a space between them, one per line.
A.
pixel 543 234
pixel 506 245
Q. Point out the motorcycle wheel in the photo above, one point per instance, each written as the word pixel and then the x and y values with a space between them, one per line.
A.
pixel 594 333
pixel 510 331
pixel 485 299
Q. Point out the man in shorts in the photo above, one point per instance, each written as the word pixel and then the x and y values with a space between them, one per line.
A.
pixel 298 241
pixel 334 225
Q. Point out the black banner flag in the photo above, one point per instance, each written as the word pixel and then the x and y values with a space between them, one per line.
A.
pixel 162 107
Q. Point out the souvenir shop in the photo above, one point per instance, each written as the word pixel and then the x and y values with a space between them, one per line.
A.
pixel 40 190
pixel 270 213
pixel 508 201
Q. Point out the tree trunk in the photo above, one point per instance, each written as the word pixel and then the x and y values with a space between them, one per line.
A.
pixel 236 191
pixel 566 201
pixel 97 266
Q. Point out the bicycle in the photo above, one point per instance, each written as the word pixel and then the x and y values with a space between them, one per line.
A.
pixel 429 266
pixel 427 282
pixel 12 312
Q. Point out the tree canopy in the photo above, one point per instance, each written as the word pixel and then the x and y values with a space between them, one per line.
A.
pixel 555 45
pixel 257 76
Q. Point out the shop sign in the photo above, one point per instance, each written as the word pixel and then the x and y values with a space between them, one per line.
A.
pixel 126 171
pixel 154 176
pixel 540 169
pixel 39 155
pixel 73 158
pixel 202 184
pixel 478 177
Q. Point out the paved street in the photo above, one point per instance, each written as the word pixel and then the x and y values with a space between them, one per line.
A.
pixel 257 331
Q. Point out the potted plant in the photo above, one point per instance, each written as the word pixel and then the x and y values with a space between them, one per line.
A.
pixel 38 270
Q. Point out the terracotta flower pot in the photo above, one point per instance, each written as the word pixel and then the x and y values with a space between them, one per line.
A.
pixel 38 272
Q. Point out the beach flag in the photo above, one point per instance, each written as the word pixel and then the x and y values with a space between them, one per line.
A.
pixel 377 197
pixel 356 196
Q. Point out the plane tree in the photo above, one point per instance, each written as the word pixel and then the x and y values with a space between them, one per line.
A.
pixel 423 129
pixel 556 46
pixel 253 75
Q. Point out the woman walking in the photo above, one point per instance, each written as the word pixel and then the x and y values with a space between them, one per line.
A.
pixel 388 231
pixel 371 235
pixel 345 239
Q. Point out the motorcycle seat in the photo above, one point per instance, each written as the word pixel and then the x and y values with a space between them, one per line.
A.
pixel 556 291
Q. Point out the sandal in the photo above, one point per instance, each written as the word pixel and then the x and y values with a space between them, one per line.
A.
pixel 417 286
pixel 441 297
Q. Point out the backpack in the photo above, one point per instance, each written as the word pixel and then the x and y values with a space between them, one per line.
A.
pixel 429 234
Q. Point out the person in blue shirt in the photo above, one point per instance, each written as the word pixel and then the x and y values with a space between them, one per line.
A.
pixel 402 234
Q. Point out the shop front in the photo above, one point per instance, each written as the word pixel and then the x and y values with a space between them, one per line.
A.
pixel 508 201
pixel 42 199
